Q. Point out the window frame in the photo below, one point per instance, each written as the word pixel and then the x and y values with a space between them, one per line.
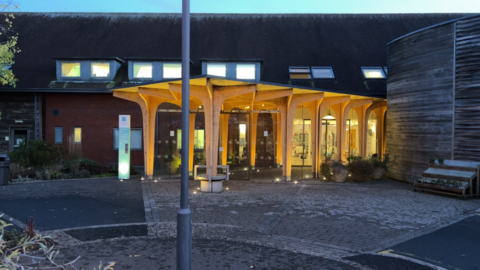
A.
pixel 215 62
pixel 323 68
pixel 100 62
pixel 163 70
pixel 307 71
pixel 246 63
pixel 70 77
pixel 81 135
pixel 115 147
pixel 55 135
pixel 142 78
pixel 380 69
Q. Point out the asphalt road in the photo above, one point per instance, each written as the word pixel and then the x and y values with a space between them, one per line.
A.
pixel 68 205
pixel 454 247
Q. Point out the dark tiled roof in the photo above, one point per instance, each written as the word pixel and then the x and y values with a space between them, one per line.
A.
pixel 344 41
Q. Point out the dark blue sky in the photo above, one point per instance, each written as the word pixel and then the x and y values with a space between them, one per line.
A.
pixel 253 6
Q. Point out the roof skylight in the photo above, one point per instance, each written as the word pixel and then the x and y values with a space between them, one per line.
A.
pixel 373 73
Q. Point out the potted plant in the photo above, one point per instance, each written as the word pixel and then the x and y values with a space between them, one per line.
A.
pixel 440 161
pixel 339 170
pixel 431 160
pixel 325 170
pixel 380 166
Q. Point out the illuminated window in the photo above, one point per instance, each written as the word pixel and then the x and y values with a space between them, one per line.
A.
pixel 299 73
pixel 173 70
pixel 373 73
pixel 199 139
pixel 217 69
pixel 322 73
pixel 70 69
pixel 246 71
pixel 77 132
pixel 135 139
pixel 100 70
pixel 142 70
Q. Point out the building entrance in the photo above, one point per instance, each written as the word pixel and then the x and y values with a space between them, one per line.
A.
pixel 236 144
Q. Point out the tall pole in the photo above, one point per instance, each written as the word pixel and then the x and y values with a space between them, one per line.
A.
pixel 184 216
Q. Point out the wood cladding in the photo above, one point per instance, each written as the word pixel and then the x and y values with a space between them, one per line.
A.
pixel 420 99
pixel 467 90
pixel 15 106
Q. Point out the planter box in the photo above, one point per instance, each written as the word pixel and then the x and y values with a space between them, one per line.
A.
pixel 439 187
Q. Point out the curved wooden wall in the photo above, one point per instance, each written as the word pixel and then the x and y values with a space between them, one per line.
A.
pixel 420 92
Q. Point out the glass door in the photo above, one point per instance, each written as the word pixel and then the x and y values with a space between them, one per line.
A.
pixel 238 154
pixel 301 145
pixel 168 141
pixel 265 144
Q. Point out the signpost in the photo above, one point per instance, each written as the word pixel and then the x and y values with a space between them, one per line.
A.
pixel 124 147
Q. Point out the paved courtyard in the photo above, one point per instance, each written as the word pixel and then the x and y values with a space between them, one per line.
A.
pixel 254 223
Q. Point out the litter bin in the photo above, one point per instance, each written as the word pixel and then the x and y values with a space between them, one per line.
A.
pixel 4 169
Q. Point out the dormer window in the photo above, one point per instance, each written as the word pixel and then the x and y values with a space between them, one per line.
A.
pixel 172 70
pixel 100 70
pixel 71 69
pixel 239 69
pixel 299 73
pixel 217 69
pixel 246 71
pixel 322 73
pixel 87 69
pixel 373 73
pixel 142 70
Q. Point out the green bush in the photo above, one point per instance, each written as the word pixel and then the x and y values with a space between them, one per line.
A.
pixel 360 170
pixel 36 154
pixel 92 166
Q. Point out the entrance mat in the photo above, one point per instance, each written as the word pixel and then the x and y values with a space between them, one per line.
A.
pixel 384 262
pixel 108 232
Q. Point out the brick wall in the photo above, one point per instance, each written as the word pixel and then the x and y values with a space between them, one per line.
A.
pixel 97 115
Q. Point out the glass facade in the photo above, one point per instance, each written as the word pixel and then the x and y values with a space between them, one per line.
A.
pixel 371 135
pixel 352 147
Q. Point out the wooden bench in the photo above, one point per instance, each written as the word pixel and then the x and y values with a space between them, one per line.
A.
pixel 465 172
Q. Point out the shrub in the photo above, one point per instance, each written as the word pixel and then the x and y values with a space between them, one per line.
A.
pixel 360 170
pixel 83 174
pixel 351 159
pixel 36 154
pixel 92 166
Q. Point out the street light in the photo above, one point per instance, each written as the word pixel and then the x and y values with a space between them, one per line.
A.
pixel 184 216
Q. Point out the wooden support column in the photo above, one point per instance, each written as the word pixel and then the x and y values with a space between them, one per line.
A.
pixel 253 139
pixel 224 144
pixel 282 104
pixel 148 105
pixel 380 116
pixel 312 107
pixel 278 139
pixel 191 139
pixel 295 100
pixel 220 94
pixel 375 105
pixel 360 110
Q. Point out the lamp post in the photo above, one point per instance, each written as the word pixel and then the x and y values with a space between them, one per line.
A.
pixel 184 216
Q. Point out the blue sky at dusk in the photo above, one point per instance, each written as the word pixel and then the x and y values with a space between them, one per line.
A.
pixel 253 6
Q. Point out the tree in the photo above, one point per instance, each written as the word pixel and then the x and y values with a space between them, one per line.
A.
pixel 8 44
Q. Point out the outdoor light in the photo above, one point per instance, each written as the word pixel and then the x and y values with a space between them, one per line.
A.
pixel 349 174
pixel 155 180
pixel 123 168
pixel 296 182
pixel 258 170
pixel 194 192
pixel 329 116
pixel 227 188
pixel 245 169
pixel 198 188
pixel 324 178
pixel 143 178
pixel 121 180
pixel 277 179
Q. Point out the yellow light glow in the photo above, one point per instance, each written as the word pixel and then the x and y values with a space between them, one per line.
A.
pixel 296 182
pixel 70 69
pixel 227 188
pixel 77 132
pixel 194 192
pixel 373 128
